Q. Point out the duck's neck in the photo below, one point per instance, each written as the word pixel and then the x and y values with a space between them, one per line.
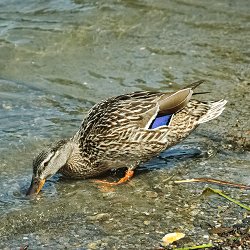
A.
pixel 77 163
pixel 75 157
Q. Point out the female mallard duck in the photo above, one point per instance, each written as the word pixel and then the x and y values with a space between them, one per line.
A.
pixel 124 131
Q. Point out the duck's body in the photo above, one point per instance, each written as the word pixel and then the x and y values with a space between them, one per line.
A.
pixel 126 130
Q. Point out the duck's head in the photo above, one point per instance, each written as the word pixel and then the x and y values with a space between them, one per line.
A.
pixel 47 163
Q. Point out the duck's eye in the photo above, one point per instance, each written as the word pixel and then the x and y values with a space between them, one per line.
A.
pixel 46 164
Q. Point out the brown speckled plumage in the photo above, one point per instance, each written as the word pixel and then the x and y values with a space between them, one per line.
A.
pixel 113 135
pixel 116 133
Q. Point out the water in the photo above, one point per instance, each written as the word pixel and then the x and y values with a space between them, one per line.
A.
pixel 58 58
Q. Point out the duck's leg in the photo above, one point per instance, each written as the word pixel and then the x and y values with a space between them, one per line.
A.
pixel 128 175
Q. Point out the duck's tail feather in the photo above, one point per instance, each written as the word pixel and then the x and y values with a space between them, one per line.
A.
pixel 194 84
pixel 202 93
pixel 216 108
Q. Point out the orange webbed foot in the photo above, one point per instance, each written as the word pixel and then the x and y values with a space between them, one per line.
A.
pixel 129 174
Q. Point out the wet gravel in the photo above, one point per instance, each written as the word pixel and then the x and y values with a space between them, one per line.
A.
pixel 59 58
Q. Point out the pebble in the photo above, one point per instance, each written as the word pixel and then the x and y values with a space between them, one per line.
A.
pixel 151 194
pixel 92 245
pixel 146 222
pixel 99 217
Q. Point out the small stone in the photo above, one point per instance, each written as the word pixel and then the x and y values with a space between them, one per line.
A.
pixel 92 245
pixel 151 194
pixel 99 217
pixel 146 222
pixel 195 212
pixel 104 244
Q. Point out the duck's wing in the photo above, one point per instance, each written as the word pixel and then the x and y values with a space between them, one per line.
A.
pixel 136 109
pixel 119 127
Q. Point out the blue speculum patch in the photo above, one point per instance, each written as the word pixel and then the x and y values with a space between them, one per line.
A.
pixel 160 121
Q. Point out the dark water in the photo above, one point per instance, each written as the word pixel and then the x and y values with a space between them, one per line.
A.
pixel 58 58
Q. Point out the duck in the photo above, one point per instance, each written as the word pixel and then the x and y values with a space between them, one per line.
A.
pixel 123 132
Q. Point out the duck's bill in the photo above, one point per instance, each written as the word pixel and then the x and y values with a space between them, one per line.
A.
pixel 35 186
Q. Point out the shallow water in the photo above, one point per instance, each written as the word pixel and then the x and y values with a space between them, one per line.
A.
pixel 58 58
